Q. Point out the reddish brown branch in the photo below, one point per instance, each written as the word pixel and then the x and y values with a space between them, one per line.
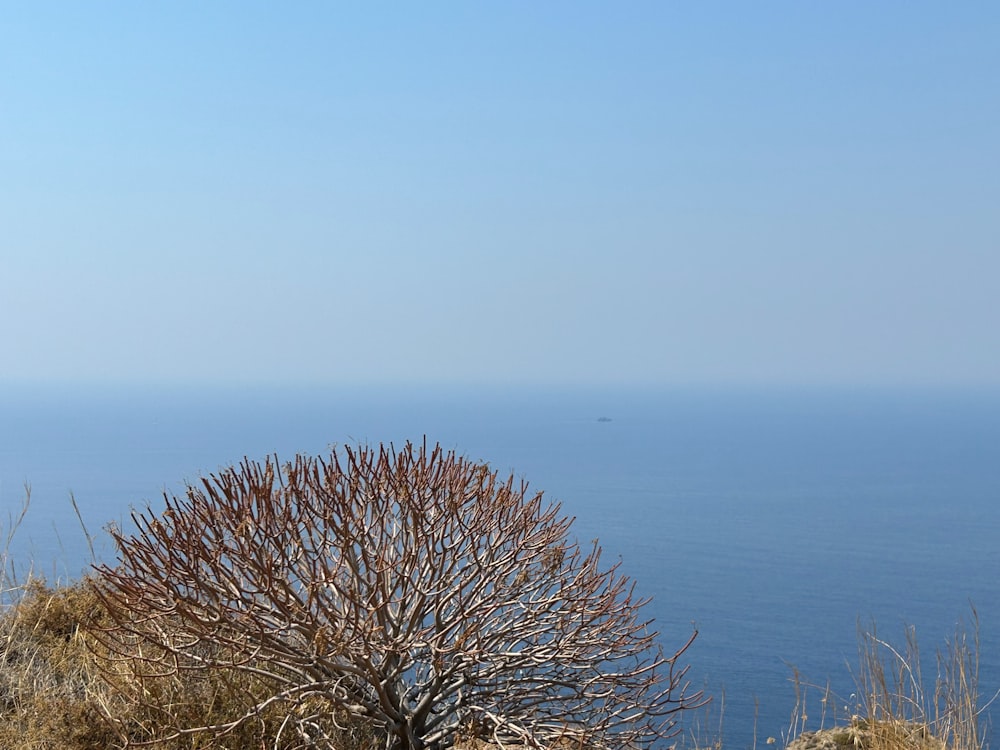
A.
pixel 411 588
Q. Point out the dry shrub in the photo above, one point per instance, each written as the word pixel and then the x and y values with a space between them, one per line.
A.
pixel 412 590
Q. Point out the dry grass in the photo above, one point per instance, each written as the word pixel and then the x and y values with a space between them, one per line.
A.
pixel 894 707
pixel 50 691
pixel 703 728
pixel 900 711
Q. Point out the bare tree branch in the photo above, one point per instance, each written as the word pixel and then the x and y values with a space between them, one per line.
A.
pixel 409 588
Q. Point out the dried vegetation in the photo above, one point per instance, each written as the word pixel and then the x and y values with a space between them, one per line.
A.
pixel 375 599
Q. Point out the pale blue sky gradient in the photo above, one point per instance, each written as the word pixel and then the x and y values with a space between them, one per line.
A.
pixel 520 192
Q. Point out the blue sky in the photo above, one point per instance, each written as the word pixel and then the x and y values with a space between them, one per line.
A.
pixel 520 192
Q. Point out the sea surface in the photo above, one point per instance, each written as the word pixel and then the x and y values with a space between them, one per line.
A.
pixel 773 521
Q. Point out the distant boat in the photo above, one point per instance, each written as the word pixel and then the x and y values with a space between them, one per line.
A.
pixel 604 419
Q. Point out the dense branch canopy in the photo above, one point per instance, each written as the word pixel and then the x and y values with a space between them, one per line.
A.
pixel 410 587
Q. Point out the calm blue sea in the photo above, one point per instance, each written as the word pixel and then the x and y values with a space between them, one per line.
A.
pixel 772 520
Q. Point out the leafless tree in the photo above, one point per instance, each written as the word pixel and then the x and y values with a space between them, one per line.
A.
pixel 409 588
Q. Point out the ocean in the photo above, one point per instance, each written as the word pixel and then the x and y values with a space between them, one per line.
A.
pixel 774 521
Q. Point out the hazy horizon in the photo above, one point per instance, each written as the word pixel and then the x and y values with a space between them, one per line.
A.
pixel 581 194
